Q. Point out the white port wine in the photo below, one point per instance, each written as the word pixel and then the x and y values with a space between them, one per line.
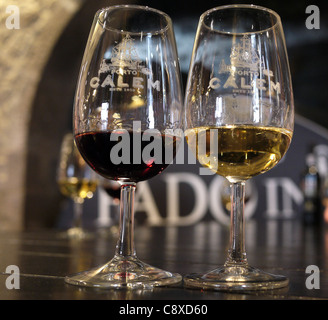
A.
pixel 77 188
pixel 238 152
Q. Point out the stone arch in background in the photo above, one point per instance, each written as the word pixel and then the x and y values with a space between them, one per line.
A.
pixel 51 118
pixel 24 54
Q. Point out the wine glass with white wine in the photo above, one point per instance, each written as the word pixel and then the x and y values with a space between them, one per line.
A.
pixel 239 120
pixel 77 181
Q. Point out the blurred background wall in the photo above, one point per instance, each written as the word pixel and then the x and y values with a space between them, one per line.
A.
pixel 39 65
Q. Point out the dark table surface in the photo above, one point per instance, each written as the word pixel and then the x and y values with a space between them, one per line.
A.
pixel 281 247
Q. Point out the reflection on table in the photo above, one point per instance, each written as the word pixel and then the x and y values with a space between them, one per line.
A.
pixel 283 247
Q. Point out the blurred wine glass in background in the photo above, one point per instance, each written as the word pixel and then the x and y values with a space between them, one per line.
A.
pixel 112 189
pixel 77 181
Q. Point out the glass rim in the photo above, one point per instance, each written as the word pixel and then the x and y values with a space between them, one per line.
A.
pixel 243 6
pixel 136 7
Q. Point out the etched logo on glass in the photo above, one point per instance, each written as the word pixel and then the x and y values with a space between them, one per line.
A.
pixel 124 63
pixel 246 70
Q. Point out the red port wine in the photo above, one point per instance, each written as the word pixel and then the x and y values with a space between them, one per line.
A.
pixel 127 155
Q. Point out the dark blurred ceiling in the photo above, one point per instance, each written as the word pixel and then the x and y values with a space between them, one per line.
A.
pixel 307 49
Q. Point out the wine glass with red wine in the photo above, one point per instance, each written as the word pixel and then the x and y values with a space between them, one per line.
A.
pixel 128 123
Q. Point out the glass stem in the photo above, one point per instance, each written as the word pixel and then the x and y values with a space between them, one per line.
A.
pixel 237 251
pixel 125 244
pixel 78 209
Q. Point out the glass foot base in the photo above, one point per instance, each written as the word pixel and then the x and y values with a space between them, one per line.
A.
pixel 109 232
pixel 122 272
pixel 236 278
pixel 76 233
